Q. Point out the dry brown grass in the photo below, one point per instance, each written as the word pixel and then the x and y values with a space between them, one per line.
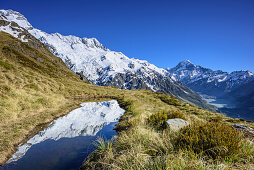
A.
pixel 34 93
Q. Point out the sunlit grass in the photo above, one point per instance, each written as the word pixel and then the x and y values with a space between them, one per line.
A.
pixel 34 93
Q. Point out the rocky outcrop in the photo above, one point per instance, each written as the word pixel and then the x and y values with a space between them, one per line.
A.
pixel 247 131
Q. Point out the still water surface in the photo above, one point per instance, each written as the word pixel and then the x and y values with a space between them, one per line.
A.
pixel 68 140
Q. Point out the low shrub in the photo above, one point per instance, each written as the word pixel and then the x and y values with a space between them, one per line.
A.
pixel 170 100
pixel 214 140
pixel 176 114
pixel 32 86
pixel 42 101
pixel 158 120
pixel 6 65
pixel 216 119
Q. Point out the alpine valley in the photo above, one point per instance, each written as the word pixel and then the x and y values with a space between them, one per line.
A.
pixel 71 103
pixel 101 66
pixel 233 90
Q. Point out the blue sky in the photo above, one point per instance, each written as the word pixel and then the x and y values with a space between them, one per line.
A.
pixel 218 34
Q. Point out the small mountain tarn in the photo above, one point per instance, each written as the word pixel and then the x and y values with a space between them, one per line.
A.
pixel 69 139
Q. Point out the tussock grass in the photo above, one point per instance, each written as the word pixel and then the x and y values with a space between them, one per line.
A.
pixel 104 145
pixel 214 140
pixel 34 92
pixel 158 120
pixel 208 143
pixel 176 114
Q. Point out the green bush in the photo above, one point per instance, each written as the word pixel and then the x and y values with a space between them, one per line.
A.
pixel 158 120
pixel 216 119
pixel 170 100
pixel 214 140
pixel 6 65
pixel 176 114
pixel 32 86
pixel 42 101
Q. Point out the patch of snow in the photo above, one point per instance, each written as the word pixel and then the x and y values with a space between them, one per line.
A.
pixel 9 30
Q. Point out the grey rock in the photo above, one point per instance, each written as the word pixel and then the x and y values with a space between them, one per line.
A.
pixel 39 60
pixel 249 132
pixel 177 123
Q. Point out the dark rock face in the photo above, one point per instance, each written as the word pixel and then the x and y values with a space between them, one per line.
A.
pixel 155 82
pixel 243 96
pixel 82 77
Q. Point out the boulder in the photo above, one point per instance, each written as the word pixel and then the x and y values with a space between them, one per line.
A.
pixel 247 131
pixel 177 123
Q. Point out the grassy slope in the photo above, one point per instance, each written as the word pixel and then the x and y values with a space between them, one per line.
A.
pixel 36 87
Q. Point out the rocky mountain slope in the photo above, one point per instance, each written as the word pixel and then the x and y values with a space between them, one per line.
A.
pixel 99 64
pixel 243 96
pixel 206 81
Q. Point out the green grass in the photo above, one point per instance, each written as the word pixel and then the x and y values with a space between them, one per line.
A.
pixel 6 65
pixel 158 120
pixel 176 114
pixel 39 92
pixel 212 139
pixel 104 145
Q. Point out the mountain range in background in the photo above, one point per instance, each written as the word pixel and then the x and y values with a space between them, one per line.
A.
pixel 206 81
pixel 236 89
pixel 98 64
pixel 101 66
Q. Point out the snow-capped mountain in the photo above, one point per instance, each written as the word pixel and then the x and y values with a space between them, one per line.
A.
pixel 207 81
pixel 99 64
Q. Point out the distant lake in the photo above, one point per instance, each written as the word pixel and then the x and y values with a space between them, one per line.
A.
pixel 230 110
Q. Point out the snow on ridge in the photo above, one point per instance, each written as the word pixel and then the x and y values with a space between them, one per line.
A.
pixel 14 30
pixel 87 120
pixel 189 73
pixel 86 55
pixel 16 17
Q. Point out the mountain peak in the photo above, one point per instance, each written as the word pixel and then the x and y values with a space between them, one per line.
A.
pixel 14 16
pixel 93 42
pixel 184 65
pixel 185 62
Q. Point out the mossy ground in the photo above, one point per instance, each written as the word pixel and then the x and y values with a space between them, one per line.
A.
pixel 36 87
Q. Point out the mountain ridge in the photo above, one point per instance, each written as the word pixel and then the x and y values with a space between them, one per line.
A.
pixel 102 66
pixel 207 81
